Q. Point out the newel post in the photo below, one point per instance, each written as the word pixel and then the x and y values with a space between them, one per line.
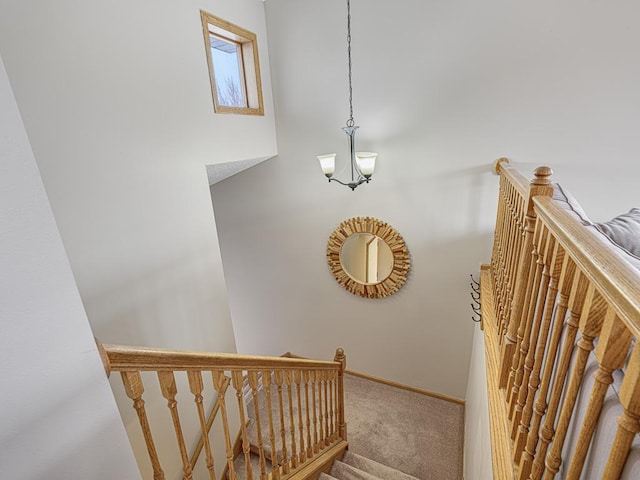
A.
pixel 540 185
pixel 342 424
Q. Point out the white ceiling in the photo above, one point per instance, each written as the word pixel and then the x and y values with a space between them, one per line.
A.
pixel 221 171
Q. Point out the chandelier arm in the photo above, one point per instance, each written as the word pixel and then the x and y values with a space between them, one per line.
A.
pixel 352 152
pixel 351 185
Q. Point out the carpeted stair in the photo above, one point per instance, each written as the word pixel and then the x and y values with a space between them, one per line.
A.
pixel 357 467
pixel 351 467
pixel 418 434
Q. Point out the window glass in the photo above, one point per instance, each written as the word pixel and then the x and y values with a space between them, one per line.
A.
pixel 227 64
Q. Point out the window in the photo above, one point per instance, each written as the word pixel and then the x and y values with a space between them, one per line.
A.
pixel 234 71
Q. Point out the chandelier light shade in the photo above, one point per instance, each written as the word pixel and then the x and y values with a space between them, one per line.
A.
pixel 366 162
pixel 328 164
pixel 362 163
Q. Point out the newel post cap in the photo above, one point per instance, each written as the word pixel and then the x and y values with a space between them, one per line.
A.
pixel 498 162
pixel 542 176
pixel 340 357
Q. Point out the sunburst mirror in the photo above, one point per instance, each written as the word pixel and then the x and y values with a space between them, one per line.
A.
pixel 368 257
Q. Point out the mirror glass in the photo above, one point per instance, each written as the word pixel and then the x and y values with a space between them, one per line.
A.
pixel 366 258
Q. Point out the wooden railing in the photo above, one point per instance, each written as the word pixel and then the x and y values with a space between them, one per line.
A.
pixel 551 281
pixel 290 411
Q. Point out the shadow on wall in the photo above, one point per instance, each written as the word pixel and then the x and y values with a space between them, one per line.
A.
pixel 168 307
pixel 476 177
pixel 465 255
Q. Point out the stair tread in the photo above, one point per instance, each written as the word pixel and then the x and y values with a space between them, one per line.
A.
pixel 352 466
pixel 239 465
pixel 377 469
pixel 344 471
pixel 326 476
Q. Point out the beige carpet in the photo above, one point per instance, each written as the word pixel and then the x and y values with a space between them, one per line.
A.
pixel 417 434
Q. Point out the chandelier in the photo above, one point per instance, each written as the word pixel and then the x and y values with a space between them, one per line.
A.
pixel 362 163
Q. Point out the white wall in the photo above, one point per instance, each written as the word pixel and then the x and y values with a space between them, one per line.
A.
pixel 59 419
pixel 116 101
pixel 441 89
pixel 477 439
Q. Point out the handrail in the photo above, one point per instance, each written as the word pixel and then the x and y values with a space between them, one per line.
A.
pixel 556 295
pixel 126 358
pixel 515 178
pixel 616 279
pixel 270 398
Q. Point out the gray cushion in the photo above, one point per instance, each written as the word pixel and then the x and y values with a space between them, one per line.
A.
pixel 624 231
pixel 568 202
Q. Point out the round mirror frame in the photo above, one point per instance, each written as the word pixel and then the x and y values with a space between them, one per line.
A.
pixel 401 260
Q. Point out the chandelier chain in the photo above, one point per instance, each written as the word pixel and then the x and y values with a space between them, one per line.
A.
pixel 350 122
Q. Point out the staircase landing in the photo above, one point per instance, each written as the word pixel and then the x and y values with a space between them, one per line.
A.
pixel 420 435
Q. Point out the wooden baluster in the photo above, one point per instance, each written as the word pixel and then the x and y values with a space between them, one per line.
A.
pixel 327 434
pixel 497 246
pixel 210 419
pixel 335 404
pixel 515 261
pixel 275 461
pixel 590 324
pixel 283 432
pixel 292 428
pixel 524 332
pixel 321 412
pixel 629 421
pixel 312 379
pixel 496 241
pixel 499 218
pixel 576 305
pixel 511 199
pixel 502 273
pixel 540 185
pixel 169 392
pixel 539 335
pixel 197 386
pixel 341 358
pixel 500 237
pixel 297 378
pixel 221 383
pixel 305 377
pixel 510 195
pixel 331 398
pixel 252 376
pixel 134 389
pixel 522 297
pixel 566 279
pixel 611 352
pixel 510 250
pixel 236 376
pixel 510 246
pixel 515 241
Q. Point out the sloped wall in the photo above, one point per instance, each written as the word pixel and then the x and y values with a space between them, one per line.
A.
pixel 117 104
pixel 59 418
pixel 116 101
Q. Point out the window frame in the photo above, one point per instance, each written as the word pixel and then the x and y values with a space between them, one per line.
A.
pixel 248 61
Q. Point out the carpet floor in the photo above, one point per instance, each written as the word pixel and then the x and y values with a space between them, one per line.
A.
pixel 415 433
